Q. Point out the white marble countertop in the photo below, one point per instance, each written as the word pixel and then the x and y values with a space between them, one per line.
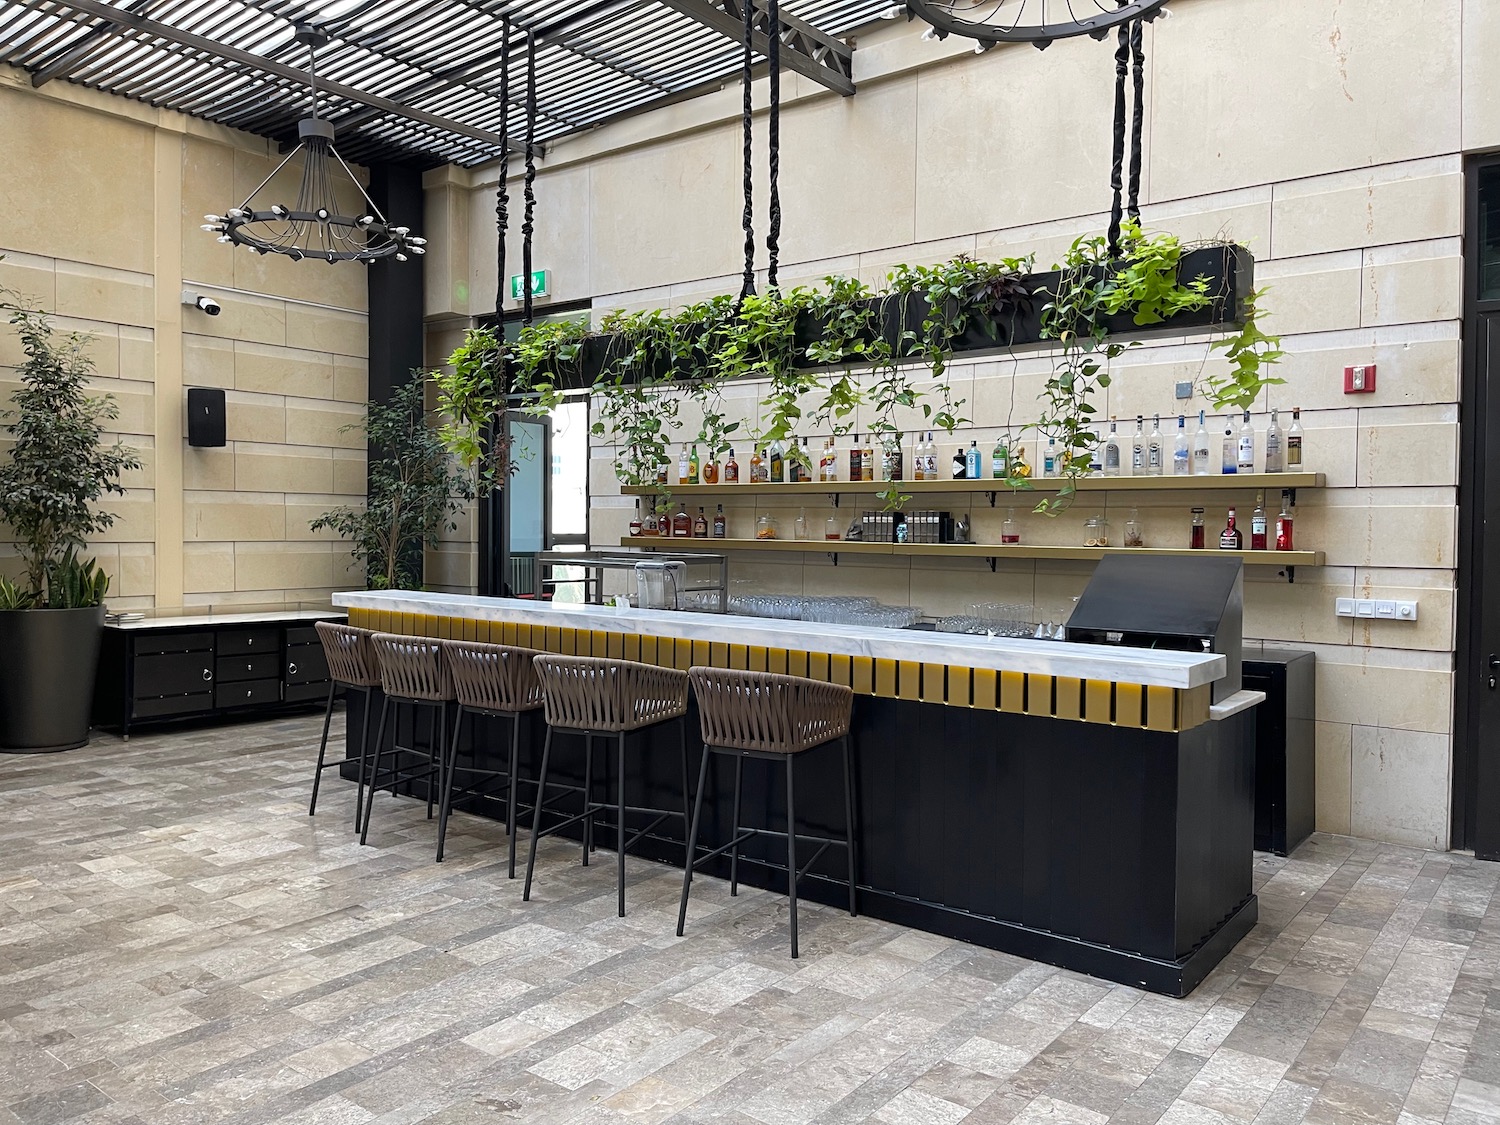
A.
pixel 1049 658
pixel 202 619
pixel 1240 701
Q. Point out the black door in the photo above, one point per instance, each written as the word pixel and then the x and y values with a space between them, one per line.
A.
pixel 1476 803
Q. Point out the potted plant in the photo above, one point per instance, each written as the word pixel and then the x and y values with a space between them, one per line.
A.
pixel 415 492
pixel 52 621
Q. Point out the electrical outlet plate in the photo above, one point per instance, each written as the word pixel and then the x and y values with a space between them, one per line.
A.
pixel 1378 609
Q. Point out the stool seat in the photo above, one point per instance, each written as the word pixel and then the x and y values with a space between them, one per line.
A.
pixel 775 718
pixel 352 665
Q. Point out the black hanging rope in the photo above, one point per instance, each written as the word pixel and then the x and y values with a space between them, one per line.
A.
pixel 1117 167
pixel 773 232
pixel 747 221
pixel 1138 66
pixel 527 226
pixel 1130 56
pixel 502 197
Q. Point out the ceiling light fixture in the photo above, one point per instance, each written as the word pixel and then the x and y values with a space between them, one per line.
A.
pixel 314 228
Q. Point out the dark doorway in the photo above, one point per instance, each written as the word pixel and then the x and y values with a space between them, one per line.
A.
pixel 1476 759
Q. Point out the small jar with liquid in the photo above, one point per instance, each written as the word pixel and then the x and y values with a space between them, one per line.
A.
pixel 831 528
pixel 1197 535
pixel 1010 530
pixel 765 527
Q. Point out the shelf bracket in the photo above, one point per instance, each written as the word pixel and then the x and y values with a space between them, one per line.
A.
pixel 1291 573
pixel 991 495
pixel 834 496
pixel 834 555
pixel 991 559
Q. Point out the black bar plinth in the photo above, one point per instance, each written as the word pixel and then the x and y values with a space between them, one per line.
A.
pixel 1125 854
pixel 1286 762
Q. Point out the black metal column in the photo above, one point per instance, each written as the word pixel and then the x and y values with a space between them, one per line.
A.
pixel 396 331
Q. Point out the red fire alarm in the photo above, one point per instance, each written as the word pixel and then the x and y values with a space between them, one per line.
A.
pixel 1359 380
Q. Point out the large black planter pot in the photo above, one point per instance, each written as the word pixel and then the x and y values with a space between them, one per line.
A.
pixel 47 686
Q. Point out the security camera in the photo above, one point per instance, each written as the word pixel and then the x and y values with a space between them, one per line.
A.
pixel 199 301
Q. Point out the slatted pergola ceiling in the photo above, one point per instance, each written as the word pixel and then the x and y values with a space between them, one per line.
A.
pixel 596 61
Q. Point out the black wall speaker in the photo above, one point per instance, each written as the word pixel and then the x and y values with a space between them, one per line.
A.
pixel 205 416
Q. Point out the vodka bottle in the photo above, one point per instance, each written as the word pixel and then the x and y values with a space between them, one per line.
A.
pixel 1274 462
pixel 1181 463
pixel 1138 448
pixel 1154 449
pixel 1200 447
pixel 1112 452
pixel 1245 455
pixel 1228 459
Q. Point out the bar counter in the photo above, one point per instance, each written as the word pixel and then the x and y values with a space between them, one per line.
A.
pixel 1087 806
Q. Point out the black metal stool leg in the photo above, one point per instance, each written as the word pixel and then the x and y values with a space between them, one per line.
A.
pixel 364 751
pixel 734 831
pixel 510 804
pixel 620 827
pixel 687 793
pixel 449 769
pixel 536 818
pixel 435 751
pixel 692 844
pixel 588 797
pixel 312 805
pixel 791 853
pixel 849 823
pixel 364 831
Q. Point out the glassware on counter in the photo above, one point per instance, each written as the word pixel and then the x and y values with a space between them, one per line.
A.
pixel 1096 532
pixel 765 527
pixel 799 526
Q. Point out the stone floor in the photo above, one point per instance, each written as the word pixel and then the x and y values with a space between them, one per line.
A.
pixel 180 943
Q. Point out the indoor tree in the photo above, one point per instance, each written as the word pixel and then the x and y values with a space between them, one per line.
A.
pixel 416 490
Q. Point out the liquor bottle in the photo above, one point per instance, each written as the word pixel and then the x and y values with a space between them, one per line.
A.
pixel 684 466
pixel 1195 539
pixel 700 525
pixel 959 467
pixel 1229 453
pixel 1181 457
pixel 1284 522
pixel 731 469
pixel 1154 448
pixel 856 460
pixel 1112 452
pixel 1096 453
pixel 711 470
pixel 1200 447
pixel 661 474
pixel 1000 459
pixel 1138 448
pixel 1010 530
pixel 892 464
pixel 635 521
pixel 1231 539
pixel 757 467
pixel 867 462
pixel 651 526
pixel 1258 522
pixel 918 458
pixel 804 466
pixel 1274 462
pixel 973 462
pixel 1020 468
pixel 1294 442
pixel 682 523
pixel 719 524
pixel 776 470
pixel 1245 457
pixel 695 463
pixel 1049 458
pixel 828 463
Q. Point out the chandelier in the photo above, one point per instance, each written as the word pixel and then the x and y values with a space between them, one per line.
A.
pixel 312 227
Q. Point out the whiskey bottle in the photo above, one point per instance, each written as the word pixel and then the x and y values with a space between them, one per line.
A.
pixel 731 469
pixel 684 466
pixel 1196 536
pixel 719 524
pixel 700 526
pixel 694 465
pixel 856 460
pixel 682 523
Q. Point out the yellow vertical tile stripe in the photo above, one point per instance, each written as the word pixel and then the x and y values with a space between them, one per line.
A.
pixel 885 678
pixel 1039 695
pixel 757 658
pixel 908 679
pixel 1013 692
pixel 1161 708
pixel 701 655
pixel 1098 701
pixel 863 673
pixel 1130 703
pixel 817 665
pixel 1069 698
pixel 682 656
pixel 1193 705
pixel 796 663
pixel 739 657
pixel 776 661
pixel 986 688
pixel 632 646
pixel 934 683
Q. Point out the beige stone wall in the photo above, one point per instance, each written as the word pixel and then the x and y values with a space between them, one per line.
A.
pixel 1326 137
pixel 104 199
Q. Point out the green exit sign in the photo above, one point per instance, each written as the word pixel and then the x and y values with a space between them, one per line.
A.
pixel 541 284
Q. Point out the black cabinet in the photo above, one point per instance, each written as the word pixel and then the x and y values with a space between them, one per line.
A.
pixel 195 668
pixel 1286 760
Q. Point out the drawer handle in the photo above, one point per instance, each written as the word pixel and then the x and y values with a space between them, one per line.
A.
pixel 249 667
pixel 249 692
pixel 207 675
pixel 249 641
pixel 291 669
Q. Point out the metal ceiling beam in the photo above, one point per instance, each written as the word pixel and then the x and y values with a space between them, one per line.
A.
pixel 118 20
pixel 89 42
pixel 804 48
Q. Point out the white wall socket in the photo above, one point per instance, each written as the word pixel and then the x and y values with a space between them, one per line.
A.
pixel 1378 609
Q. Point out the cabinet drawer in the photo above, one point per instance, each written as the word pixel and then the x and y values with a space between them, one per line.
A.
pixel 302 635
pixel 247 693
pixel 306 664
pixel 262 666
pixel 173 673
pixel 150 644
pixel 248 642
pixel 172 705
pixel 305 693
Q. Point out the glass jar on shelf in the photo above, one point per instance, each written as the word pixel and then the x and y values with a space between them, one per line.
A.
pixel 765 527
pixel 1133 536
pixel 1096 532
pixel 831 528
pixel 1010 530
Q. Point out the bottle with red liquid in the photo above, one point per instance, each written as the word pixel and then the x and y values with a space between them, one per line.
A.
pixel 1258 523
pixel 635 523
pixel 1284 522
pixel 1231 538
pixel 1196 542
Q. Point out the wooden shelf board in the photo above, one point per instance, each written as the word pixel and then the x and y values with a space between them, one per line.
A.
pixel 964 550
pixel 1234 481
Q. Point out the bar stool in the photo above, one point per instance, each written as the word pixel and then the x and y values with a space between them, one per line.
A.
pixel 352 666
pixel 414 674
pixel 764 715
pixel 592 696
pixel 499 681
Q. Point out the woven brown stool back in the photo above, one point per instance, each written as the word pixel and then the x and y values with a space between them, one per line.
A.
pixel 351 660
pixel 493 677
pixel 767 712
pixel 595 694
pixel 412 667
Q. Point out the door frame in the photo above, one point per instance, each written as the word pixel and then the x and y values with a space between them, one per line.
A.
pixel 1471 772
